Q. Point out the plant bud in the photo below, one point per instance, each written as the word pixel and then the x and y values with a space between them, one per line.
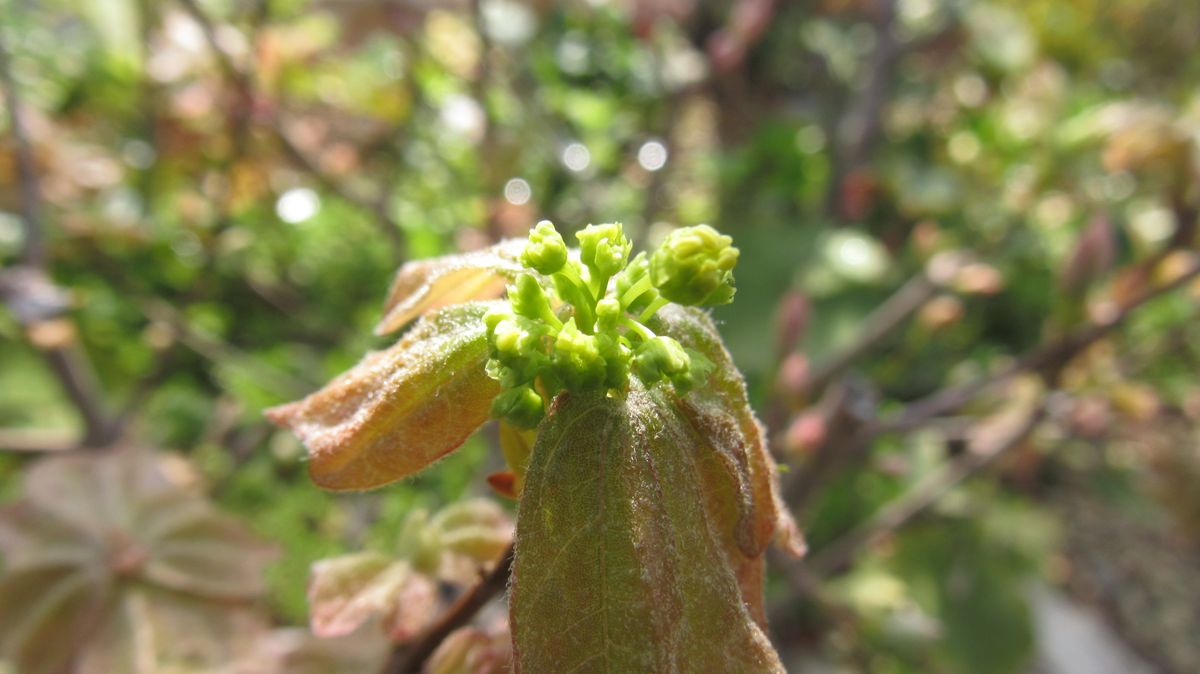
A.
pixel 603 249
pixel 694 267
pixel 522 406
pixel 546 252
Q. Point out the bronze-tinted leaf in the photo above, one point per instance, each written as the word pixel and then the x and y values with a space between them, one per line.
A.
pixel 345 592
pixel 471 650
pixel 739 477
pixel 297 651
pixel 620 566
pixel 400 409
pixel 422 286
pixel 110 567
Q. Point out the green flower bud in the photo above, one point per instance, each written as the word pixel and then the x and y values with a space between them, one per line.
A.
pixel 521 406
pixel 616 357
pixel 546 252
pixel 608 315
pixel 529 299
pixel 495 316
pixel 577 358
pixel 661 358
pixel 694 266
pixel 603 249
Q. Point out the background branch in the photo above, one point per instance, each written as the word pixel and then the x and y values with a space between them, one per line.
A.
pixel 409 658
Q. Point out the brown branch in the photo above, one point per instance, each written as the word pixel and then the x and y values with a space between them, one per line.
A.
pixel 861 126
pixel 882 322
pixel 908 506
pixel 34 251
pixel 410 657
pixel 1045 360
pixel 243 82
pixel 31 294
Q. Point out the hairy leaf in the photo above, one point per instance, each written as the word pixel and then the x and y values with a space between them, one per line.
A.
pixel 400 409
pixel 109 567
pixel 425 285
pixel 620 566
pixel 471 650
pixel 297 651
pixel 739 477
pixel 345 592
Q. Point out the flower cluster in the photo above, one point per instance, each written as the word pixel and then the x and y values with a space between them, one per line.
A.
pixel 578 319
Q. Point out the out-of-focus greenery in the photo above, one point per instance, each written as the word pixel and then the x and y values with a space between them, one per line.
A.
pixel 228 185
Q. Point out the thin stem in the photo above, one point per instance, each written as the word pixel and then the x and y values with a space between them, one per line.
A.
pixel 653 309
pixel 410 657
pixel 646 334
pixel 635 291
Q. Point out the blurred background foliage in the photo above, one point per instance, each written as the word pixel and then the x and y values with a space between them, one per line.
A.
pixel 202 203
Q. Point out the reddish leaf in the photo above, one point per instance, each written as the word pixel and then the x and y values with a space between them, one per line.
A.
pixel 740 475
pixel 400 409
pixel 425 285
pixel 470 650
pixel 345 592
pixel 620 564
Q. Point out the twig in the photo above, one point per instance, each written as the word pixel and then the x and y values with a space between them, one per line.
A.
pixel 29 284
pixel 34 251
pixel 243 81
pixel 1043 360
pixel 882 322
pixel 862 125
pixel 409 658
pixel 907 507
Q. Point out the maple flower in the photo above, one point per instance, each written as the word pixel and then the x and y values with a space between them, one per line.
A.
pixel 622 418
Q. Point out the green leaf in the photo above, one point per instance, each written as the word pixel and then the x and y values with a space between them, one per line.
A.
pixel 400 409
pixel 739 476
pixel 619 566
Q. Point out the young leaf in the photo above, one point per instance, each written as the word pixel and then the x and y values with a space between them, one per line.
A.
pixel 739 476
pixel 345 592
pixel 471 650
pixel 400 409
pixel 425 285
pixel 620 567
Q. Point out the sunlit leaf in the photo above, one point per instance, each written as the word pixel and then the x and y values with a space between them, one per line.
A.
pixel 345 592
pixel 620 566
pixel 400 409
pixel 425 285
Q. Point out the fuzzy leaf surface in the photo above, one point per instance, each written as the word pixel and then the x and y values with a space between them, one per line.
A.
pixel 423 286
pixel 739 476
pixel 400 409
pixel 620 566
pixel 345 592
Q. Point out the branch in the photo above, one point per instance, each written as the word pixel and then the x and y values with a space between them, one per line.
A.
pixel 27 289
pixel 34 252
pixel 1044 360
pixel 862 125
pixel 243 81
pixel 907 507
pixel 882 322
pixel 409 658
